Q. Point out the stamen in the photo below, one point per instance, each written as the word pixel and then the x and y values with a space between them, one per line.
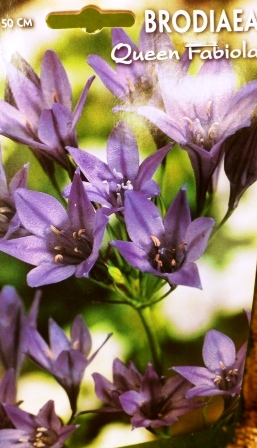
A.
pixel 5 210
pixel 59 248
pixel 173 262
pixel 222 365
pixel 39 444
pixel 107 187
pixel 156 240
pixel 208 110
pixel 158 261
pixel 81 231
pixel 58 257
pixel 182 246
pixel 55 230
pixel 191 126
pixel 23 440
pixel 117 174
pixel 76 249
pixel 131 85
pixel 55 97
pixel 128 185
pixel 218 379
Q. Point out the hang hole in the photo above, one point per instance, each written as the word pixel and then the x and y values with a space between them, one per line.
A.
pixel 91 19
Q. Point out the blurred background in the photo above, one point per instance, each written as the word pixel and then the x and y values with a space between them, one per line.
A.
pixel 227 269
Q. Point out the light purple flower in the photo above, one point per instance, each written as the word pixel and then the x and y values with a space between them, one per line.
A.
pixel 9 220
pixel 61 243
pixel 158 402
pixel 108 182
pixel 39 114
pixel 124 379
pixel 168 248
pixel 42 430
pixel 65 360
pixel 223 373
pixel 135 82
pixel 200 112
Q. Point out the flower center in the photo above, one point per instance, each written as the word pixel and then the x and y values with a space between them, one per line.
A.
pixel 45 438
pixel 141 89
pixel 205 133
pixel 227 378
pixel 70 247
pixel 119 188
pixel 166 259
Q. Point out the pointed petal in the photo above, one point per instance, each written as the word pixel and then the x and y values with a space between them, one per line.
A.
pixel 81 102
pixel 131 71
pixel 30 249
pixel 13 122
pixel 218 348
pixel 47 417
pixel 54 81
pixel 131 401
pixel 80 336
pixel 20 419
pixel 136 256
pixel 37 211
pixel 80 210
pixel 19 180
pixel 177 220
pixel 122 151
pixel 48 273
pixel 188 275
pixel 38 350
pixel 57 338
pixel 151 163
pixel 109 77
pixel 197 236
pixel 200 376
pixel 8 387
pixel 94 169
pixel 142 218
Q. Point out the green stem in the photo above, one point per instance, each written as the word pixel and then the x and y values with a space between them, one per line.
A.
pixel 145 316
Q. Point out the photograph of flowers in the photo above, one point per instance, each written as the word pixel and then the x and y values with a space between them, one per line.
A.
pixel 127 222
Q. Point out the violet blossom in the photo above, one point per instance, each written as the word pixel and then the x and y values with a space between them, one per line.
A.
pixel 158 402
pixel 61 243
pixel 224 369
pixel 9 220
pixel 135 82
pixel 39 114
pixel 201 113
pixel 42 430
pixel 65 359
pixel 124 379
pixel 166 248
pixel 108 182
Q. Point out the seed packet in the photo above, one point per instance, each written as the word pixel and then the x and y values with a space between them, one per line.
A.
pixel 127 222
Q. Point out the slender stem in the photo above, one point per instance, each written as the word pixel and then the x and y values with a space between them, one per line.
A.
pixel 145 316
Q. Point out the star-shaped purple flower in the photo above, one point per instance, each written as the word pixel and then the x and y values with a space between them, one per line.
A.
pixel 9 220
pixel 124 379
pixel 166 248
pixel 135 82
pixel 65 360
pixel 158 402
pixel 38 114
pixel 108 182
pixel 61 243
pixel 42 430
pixel 223 373
pixel 201 111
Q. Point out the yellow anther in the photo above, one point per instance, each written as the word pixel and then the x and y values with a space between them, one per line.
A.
pixel 58 257
pixel 156 240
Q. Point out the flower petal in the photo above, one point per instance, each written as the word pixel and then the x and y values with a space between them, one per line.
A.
pixel 197 236
pixel 48 273
pixel 218 348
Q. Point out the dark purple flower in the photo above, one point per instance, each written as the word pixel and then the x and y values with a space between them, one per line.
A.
pixel 7 396
pixel 157 403
pixel 240 162
pixel 224 369
pixel 13 327
pixel 201 112
pixel 108 182
pixel 40 115
pixel 124 379
pixel 168 248
pixel 65 359
pixel 42 430
pixel 9 220
pixel 61 243
pixel 135 82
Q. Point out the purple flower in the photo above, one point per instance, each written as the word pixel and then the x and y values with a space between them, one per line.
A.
pixel 65 360
pixel 39 115
pixel 136 81
pixel 13 327
pixel 166 248
pixel 7 396
pixel 107 183
pixel 124 379
pixel 42 430
pixel 240 162
pixel 223 373
pixel 157 403
pixel 201 113
pixel 61 243
pixel 9 220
